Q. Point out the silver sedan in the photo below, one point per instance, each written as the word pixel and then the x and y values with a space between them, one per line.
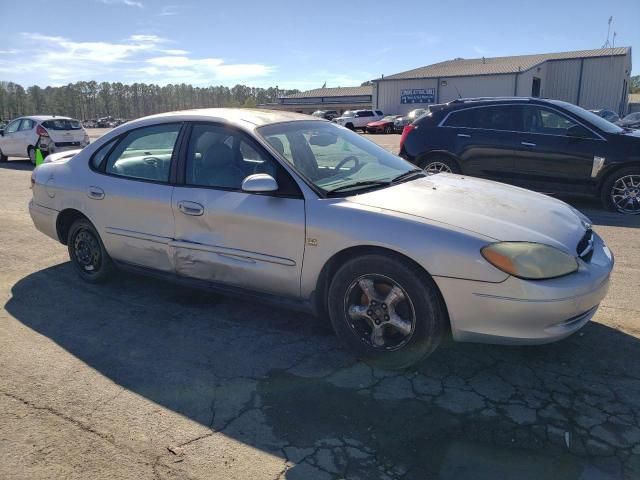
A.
pixel 302 211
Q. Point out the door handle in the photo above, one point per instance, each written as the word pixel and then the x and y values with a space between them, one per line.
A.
pixel 464 135
pixel 95 192
pixel 528 144
pixel 190 208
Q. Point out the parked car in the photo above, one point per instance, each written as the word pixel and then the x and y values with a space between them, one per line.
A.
pixel 606 114
pixel 232 199
pixel 359 119
pixel 384 125
pixel 49 133
pixel 630 121
pixel 326 114
pixel 401 122
pixel 545 145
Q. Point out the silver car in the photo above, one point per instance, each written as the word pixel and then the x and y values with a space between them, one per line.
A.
pixel 304 211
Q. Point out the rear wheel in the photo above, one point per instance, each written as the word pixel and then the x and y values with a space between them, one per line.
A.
pixel 32 155
pixel 621 191
pixel 438 164
pixel 87 253
pixel 386 310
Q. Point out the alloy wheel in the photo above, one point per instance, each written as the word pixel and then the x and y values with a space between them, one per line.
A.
pixel 625 194
pixel 437 167
pixel 87 252
pixel 380 312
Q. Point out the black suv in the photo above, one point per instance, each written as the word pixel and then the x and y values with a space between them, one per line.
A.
pixel 545 145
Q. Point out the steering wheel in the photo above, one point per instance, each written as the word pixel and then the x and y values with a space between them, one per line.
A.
pixel 355 168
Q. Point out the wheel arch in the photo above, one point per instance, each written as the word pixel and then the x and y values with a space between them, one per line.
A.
pixel 331 266
pixel 613 170
pixel 65 219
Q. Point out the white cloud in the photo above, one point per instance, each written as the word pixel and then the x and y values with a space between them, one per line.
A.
pixel 175 51
pixel 8 52
pixel 128 3
pixel 170 10
pixel 176 68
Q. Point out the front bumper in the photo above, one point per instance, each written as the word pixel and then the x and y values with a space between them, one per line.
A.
pixel 527 312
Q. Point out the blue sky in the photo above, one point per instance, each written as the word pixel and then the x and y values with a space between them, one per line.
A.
pixel 292 44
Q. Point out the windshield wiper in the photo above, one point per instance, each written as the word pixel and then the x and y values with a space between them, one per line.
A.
pixel 360 185
pixel 407 175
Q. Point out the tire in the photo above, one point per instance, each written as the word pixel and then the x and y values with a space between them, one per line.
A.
pixel 625 181
pixel 3 158
pixel 353 312
pixel 388 129
pixel 438 164
pixel 350 126
pixel 31 153
pixel 87 253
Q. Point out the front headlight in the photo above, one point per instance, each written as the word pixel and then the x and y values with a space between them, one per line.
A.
pixel 531 261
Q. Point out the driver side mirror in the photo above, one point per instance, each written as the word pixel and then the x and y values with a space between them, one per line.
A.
pixel 259 183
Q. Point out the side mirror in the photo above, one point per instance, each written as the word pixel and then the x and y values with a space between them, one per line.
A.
pixel 578 131
pixel 259 183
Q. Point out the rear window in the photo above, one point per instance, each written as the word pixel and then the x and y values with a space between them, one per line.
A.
pixel 61 124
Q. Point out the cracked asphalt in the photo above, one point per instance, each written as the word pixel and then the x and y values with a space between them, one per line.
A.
pixel 143 379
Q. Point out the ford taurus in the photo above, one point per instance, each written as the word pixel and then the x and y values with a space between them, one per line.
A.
pixel 306 212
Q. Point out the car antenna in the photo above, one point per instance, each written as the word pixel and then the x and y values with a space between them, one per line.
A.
pixel 456 87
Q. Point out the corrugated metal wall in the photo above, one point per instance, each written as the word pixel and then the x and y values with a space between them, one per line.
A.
pixel 602 80
pixel 478 86
pixel 562 80
pixel 387 96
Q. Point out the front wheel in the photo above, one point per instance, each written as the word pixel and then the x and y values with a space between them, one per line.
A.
pixel 87 253
pixel 386 310
pixel 439 164
pixel 621 191
pixel 3 158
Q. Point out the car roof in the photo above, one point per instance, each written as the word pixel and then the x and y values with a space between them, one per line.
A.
pixel 255 116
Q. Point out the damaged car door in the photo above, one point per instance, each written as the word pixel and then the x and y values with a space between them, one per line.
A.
pixel 227 235
pixel 128 195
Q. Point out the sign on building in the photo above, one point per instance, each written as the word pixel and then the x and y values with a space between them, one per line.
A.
pixel 418 95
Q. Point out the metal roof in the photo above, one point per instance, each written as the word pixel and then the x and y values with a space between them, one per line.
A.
pixel 497 65
pixel 333 92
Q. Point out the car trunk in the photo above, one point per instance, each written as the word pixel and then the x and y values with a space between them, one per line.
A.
pixel 64 132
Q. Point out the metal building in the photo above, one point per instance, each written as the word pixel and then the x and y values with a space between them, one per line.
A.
pixel 339 99
pixel 589 78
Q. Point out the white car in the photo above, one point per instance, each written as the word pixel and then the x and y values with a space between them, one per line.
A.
pixel 358 119
pixel 50 133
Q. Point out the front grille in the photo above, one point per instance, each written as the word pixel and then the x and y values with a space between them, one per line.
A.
pixel 585 246
pixel 67 144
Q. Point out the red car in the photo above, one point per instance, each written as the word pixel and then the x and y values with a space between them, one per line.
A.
pixel 384 125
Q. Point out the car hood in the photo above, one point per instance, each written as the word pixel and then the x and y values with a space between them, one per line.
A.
pixel 491 209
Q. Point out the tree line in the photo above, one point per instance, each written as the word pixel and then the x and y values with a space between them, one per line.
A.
pixel 91 100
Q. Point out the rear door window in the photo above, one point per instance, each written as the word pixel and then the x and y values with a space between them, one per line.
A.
pixel 145 153
pixel 503 118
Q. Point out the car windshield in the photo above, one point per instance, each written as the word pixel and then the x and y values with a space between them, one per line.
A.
pixel 62 124
pixel 633 116
pixel 348 113
pixel 333 158
pixel 592 118
pixel 389 118
pixel 416 113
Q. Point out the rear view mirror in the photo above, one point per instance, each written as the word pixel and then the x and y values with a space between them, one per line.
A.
pixel 259 183
pixel 323 139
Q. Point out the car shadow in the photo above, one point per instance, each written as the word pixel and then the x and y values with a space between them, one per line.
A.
pixel 274 380
pixel 17 165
